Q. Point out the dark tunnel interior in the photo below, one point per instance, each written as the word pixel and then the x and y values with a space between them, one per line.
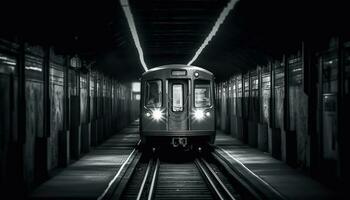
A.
pixel 255 32
pixel 70 75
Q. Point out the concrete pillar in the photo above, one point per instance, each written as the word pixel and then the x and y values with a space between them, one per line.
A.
pixel 100 130
pixel 276 143
pixel 252 133
pixel 283 146
pixel 233 126
pixel 64 148
pixel 93 132
pixel 86 137
pixel 263 137
pixel 245 131
pixel 291 148
pixel 240 128
pixel 269 139
pixel 106 129
pixel 75 142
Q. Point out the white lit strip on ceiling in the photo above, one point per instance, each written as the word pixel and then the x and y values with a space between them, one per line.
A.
pixel 129 17
pixel 215 28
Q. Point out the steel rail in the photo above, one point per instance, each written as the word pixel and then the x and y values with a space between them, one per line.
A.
pixel 209 179
pixel 111 183
pixel 218 179
pixel 154 179
pixel 144 180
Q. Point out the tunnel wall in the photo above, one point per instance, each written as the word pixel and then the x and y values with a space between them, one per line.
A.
pixel 293 108
pixel 64 107
pixel 254 108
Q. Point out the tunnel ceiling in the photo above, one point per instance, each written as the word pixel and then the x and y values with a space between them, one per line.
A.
pixel 171 31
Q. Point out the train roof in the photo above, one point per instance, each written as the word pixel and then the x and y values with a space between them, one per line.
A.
pixel 176 66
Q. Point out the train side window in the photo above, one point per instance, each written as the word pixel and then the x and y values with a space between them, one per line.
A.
pixel 177 98
pixel 154 94
pixel 202 96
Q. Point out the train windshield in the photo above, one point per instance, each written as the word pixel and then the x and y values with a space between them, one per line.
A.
pixel 154 94
pixel 202 93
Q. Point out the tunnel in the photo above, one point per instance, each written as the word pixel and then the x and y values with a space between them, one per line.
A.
pixel 272 77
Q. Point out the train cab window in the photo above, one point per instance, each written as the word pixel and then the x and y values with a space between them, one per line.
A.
pixel 202 93
pixel 177 98
pixel 154 94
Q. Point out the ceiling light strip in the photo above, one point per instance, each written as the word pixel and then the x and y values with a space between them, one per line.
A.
pixel 215 28
pixel 132 27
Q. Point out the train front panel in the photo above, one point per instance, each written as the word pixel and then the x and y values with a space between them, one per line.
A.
pixel 177 106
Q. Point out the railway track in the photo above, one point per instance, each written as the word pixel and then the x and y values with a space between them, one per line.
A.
pixel 193 176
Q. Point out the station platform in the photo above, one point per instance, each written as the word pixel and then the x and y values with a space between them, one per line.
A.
pixel 88 177
pixel 264 171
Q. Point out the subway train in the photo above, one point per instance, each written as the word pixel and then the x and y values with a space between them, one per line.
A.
pixel 177 107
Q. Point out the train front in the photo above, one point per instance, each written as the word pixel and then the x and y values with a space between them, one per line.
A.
pixel 177 107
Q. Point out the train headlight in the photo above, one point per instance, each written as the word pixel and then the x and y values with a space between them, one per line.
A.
pixel 207 114
pixel 157 114
pixel 200 114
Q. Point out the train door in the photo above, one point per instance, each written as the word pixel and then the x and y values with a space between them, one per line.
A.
pixel 178 105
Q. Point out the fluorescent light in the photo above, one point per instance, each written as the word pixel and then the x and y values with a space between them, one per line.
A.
pixel 132 27
pixel 34 68
pixel 9 62
pixel 215 28
pixel 136 86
